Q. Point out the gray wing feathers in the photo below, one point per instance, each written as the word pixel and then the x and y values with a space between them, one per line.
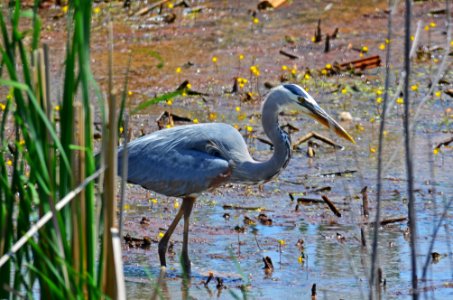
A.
pixel 184 160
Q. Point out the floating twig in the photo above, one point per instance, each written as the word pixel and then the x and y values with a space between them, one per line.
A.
pixel 444 143
pixel 307 200
pixel 332 207
pixel 289 55
pixel 257 208
pixel 318 137
pixel 389 221
pixel 365 202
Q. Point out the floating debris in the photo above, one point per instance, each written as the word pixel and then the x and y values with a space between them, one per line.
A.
pixel 264 219
pixel 268 265
pixel 332 207
pixel 257 208
pixel 365 202
pixel 239 229
pixel 226 216
pixel 435 257
pixel 318 137
pixel 288 54
pixel 220 284
pixel 248 221
pixel 211 275
pixel 318 36
pixel 145 221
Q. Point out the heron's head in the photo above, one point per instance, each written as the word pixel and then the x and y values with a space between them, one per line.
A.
pixel 308 105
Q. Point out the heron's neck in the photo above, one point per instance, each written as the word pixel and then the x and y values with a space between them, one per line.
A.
pixel 266 170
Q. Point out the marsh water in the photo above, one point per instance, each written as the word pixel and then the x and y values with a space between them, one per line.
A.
pixel 332 256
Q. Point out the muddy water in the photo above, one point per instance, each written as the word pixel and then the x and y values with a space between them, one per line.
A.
pixel 332 256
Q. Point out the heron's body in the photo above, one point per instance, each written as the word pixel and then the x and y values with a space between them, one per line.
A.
pixel 187 160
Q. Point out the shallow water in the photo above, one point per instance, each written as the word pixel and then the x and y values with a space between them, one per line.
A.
pixel 334 259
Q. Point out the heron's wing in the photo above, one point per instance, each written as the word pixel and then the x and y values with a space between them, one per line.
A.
pixel 184 160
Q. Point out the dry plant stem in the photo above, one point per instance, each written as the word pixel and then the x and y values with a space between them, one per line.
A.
pixel 40 74
pixel 124 169
pixel 374 253
pixel 110 201
pixel 118 260
pixel 408 151
pixel 48 216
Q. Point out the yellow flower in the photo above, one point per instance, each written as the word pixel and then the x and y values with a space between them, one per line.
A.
pixel 385 132
pixel 184 94
pixel 281 242
pixel 432 24
pixel 255 70
pixel 284 67
pixel 412 37
pixel 438 93
pixel 126 207
pixel 195 121
pixel 57 107
pixel 400 100
pixel 176 204
pixel 212 116
pixel 426 27
pixel 436 151
pixel 2 106
pixel 414 87
pixel 256 20
pixel 96 10
pixel 121 129
pixel 372 150
pixel 328 66
pixel 378 92
pixel 153 200
pixel 241 56
pixel 307 76
pixel 249 128
pixel 178 70
pixel 435 60
pixel 9 162
pixel 236 126
pixel 382 47
pixel 361 54
pixel 300 259
pixel 294 71
pixel 313 39
pixel 170 5
pixel 238 108
pixel 161 234
pixel 359 127
pixel 364 49
pixel 214 59
pixel 21 142
pixel 188 86
pixel 130 93
pixel 168 126
pixel 372 120
pixel 379 100
pixel 344 91
pixel 169 102
pixel 324 72
pixel 64 9
pixel 387 41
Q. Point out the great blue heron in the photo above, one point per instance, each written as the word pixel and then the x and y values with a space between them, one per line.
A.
pixel 186 160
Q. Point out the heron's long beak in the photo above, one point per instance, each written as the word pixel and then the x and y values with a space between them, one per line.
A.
pixel 317 113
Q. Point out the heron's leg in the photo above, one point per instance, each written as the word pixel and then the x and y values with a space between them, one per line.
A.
pixel 163 244
pixel 187 206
